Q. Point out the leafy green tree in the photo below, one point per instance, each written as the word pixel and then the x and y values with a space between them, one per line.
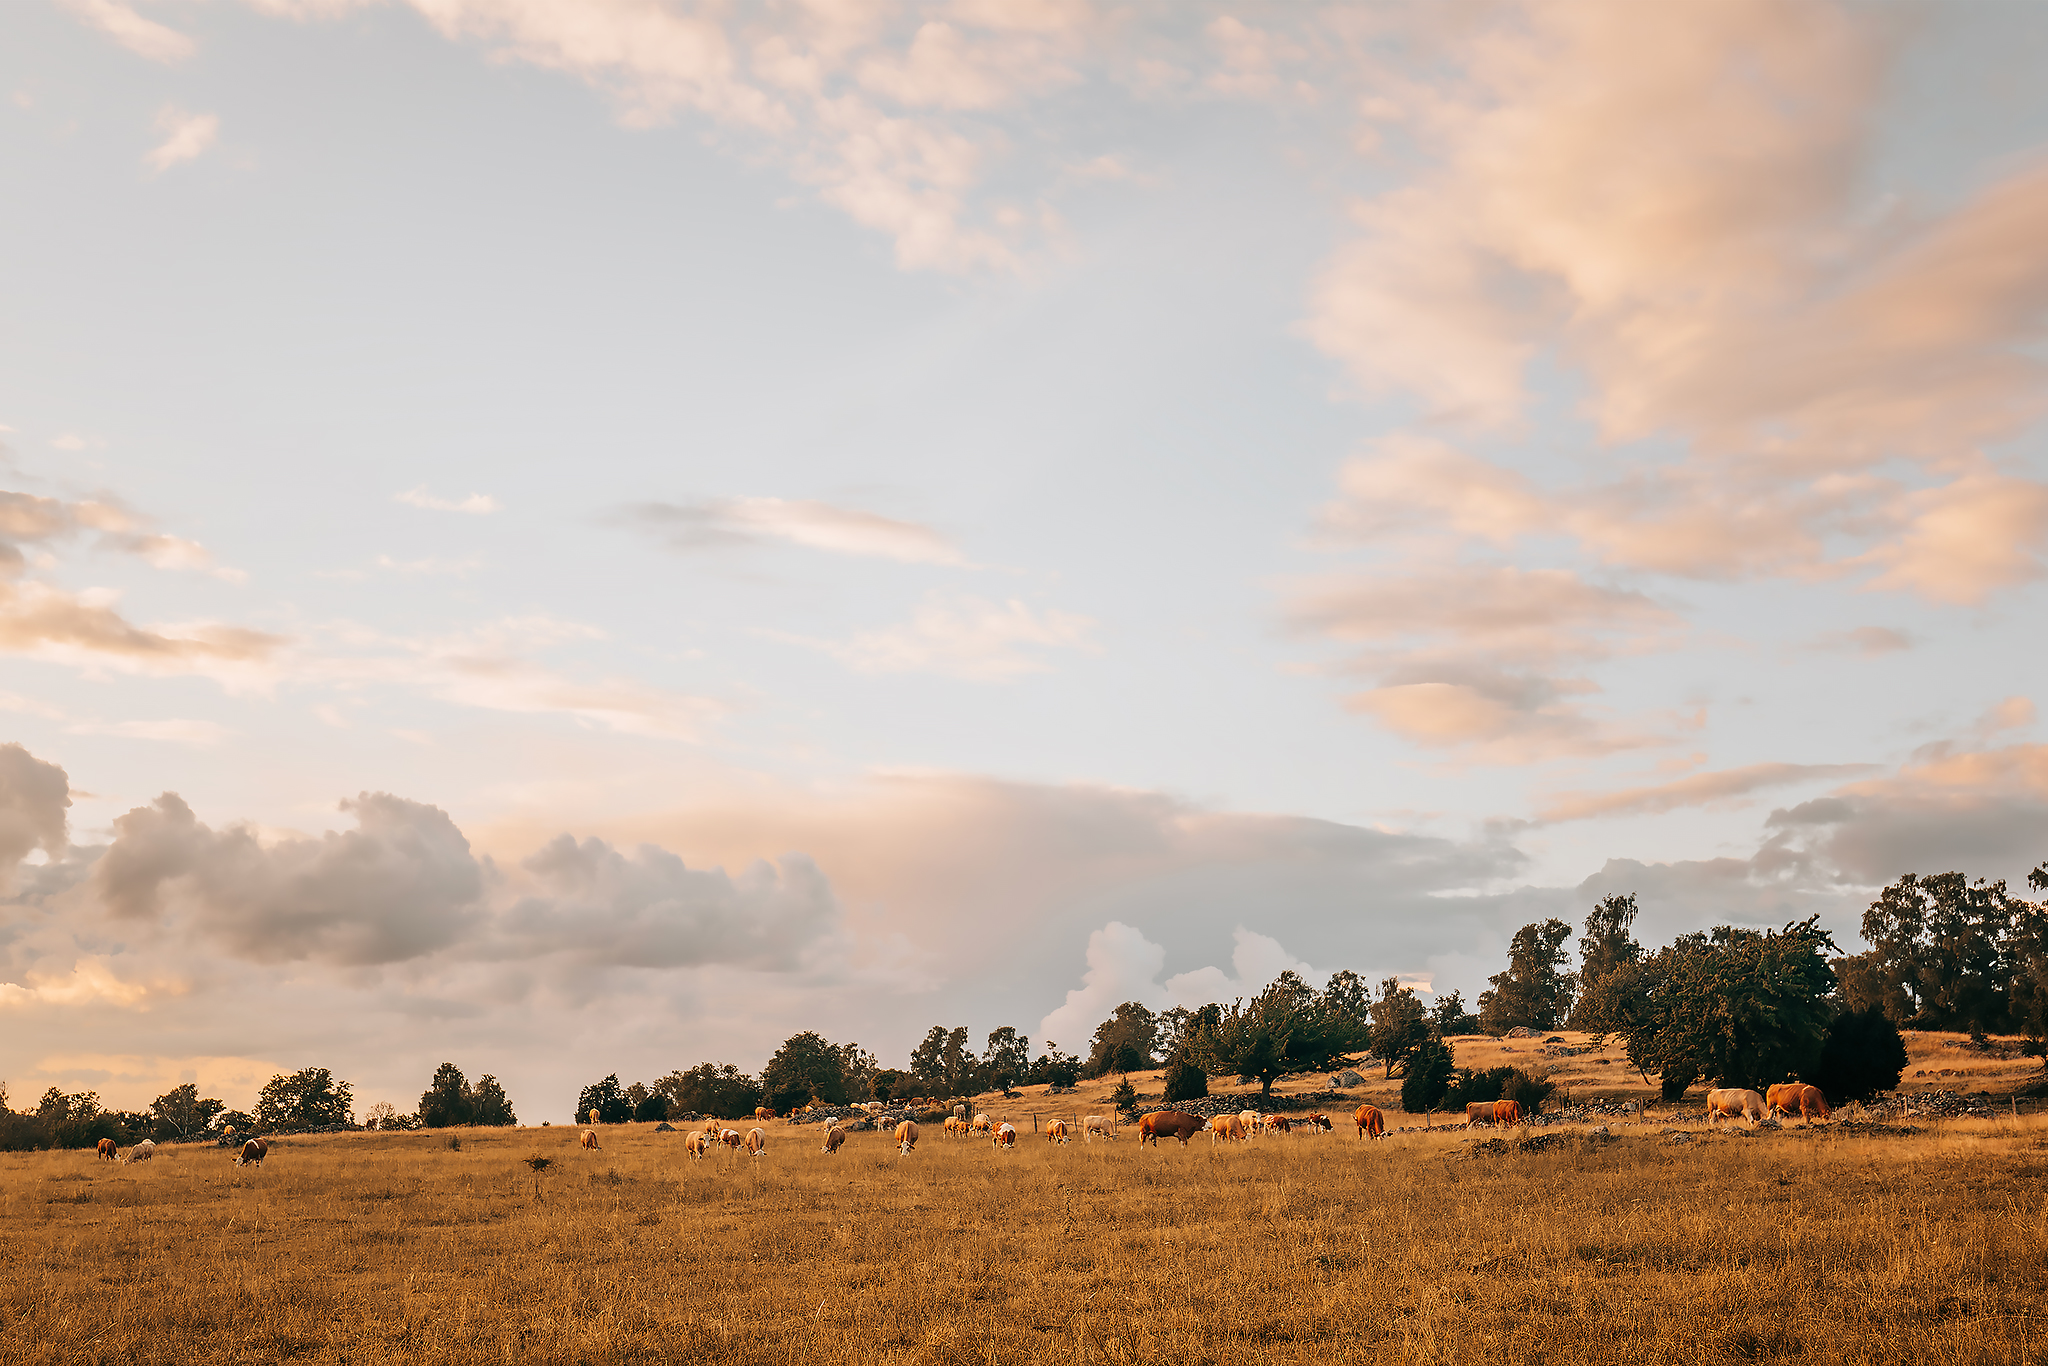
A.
pixel 1123 1095
pixel 884 1083
pixel 445 1102
pixel 1287 1028
pixel 944 1064
pixel 1348 998
pixel 1399 1023
pixel 1532 991
pixel 805 1068
pixel 1742 1007
pixel 1451 1018
pixel 1124 1042
pixel 489 1106
pixel 1055 1068
pixel 310 1098
pixel 606 1097
pixel 1428 1077
pixel 1184 1080
pixel 651 1108
pixel 1862 1055
pixel 1604 945
pixel 1866 982
pixel 2027 958
pixel 709 1088
pixel 1007 1060
pixel 1499 1083
pixel 1941 940
pixel 181 1112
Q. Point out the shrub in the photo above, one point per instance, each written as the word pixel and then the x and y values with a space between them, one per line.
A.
pixel 1429 1076
pixel 1125 1096
pixel 1862 1055
pixel 1184 1080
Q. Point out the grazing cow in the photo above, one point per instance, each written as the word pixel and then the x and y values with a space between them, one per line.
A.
pixel 1225 1128
pixel 1507 1112
pixel 757 1141
pixel 1056 1131
pixel 1318 1123
pixel 595 1114
pixel 1735 1103
pixel 1005 1135
pixel 697 1144
pixel 1278 1124
pixel 960 1113
pixel 1479 1112
pixel 983 1124
pixel 107 1148
pixel 954 1125
pixel 906 1136
pixel 730 1138
pixel 1168 1124
pixel 1788 1098
pixel 590 1141
pixel 253 1153
pixel 145 1150
pixel 1092 1125
pixel 1371 1123
pixel 834 1136
pixel 763 1112
pixel 1812 1103
pixel 1251 1120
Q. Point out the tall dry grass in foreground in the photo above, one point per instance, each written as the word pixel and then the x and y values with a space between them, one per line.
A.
pixel 1817 1247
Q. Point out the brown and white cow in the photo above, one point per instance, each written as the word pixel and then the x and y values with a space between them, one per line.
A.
pixel 1004 1135
pixel 594 1114
pixel 834 1137
pixel 1318 1123
pixel 253 1153
pixel 1251 1121
pixel 108 1149
pixel 1176 1124
pixel 697 1143
pixel 1371 1123
pixel 589 1141
pixel 1277 1124
pixel 906 1136
pixel 1056 1131
pixel 1734 1102
pixel 983 1124
pixel 730 1138
pixel 757 1141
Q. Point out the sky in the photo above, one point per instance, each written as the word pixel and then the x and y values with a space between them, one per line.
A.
pixel 589 536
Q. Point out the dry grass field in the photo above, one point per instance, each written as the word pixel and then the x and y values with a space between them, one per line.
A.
pixel 1818 1246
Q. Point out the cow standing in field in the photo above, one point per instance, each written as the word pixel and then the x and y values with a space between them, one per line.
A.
pixel 589 1141
pixel 595 1114
pixel 1005 1135
pixel 834 1136
pixel 1251 1121
pixel 1226 1128
pixel 763 1113
pixel 1788 1098
pixel 757 1141
pixel 983 1124
pixel 730 1138
pixel 1479 1112
pixel 1093 1126
pixel 1507 1112
pixel 145 1150
pixel 107 1148
pixel 1318 1123
pixel 1277 1124
pixel 697 1144
pixel 1175 1124
pixel 906 1137
pixel 1056 1131
pixel 253 1153
pixel 1371 1123
pixel 1733 1102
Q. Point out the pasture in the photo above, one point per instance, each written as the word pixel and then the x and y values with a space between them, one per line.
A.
pixel 1821 1246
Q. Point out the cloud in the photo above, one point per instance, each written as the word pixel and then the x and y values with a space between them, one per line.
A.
pixel 476 504
pixel 27 518
pixel 174 731
pixel 814 525
pixel 185 137
pixel 91 981
pixel 964 637
pixel 1864 640
pixel 1700 789
pixel 1605 193
pixel 42 622
pixel 1123 965
pixel 144 37
pixel 35 798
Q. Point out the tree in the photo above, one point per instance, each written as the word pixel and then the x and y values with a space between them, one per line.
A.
pixel 1450 1016
pixel 1288 1027
pixel 1399 1024
pixel 1007 1060
pixel 1184 1080
pixel 1124 1042
pixel 884 1083
pixel 1861 1056
pixel 1604 945
pixel 1942 940
pixel 805 1068
pixel 1429 1074
pixel 489 1106
pixel 857 1068
pixel 709 1088
pixel 181 1113
pixel 307 1099
pixel 2027 956
pixel 1055 1068
pixel 944 1064
pixel 607 1098
pixel 1532 991
pixel 1743 1007
pixel 445 1102
pixel 1348 998
pixel 651 1108
pixel 1866 983
pixel 383 1115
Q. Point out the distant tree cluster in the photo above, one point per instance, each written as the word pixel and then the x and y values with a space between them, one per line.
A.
pixel 450 1100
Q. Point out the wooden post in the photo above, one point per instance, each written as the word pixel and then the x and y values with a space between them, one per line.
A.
pixel 1034 1121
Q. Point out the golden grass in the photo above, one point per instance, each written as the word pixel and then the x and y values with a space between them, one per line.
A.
pixel 1819 1247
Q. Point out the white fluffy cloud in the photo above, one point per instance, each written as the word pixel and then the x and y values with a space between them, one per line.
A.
pixel 804 522
pixel 186 136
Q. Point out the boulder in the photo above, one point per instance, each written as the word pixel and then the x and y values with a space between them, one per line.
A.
pixel 1340 1080
pixel 664 1128
pixel 1521 1032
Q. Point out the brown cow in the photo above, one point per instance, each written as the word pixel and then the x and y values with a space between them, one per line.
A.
pixel 589 1142
pixel 834 1136
pixel 1507 1112
pixel 983 1124
pixel 730 1138
pixel 1788 1098
pixel 594 1113
pixel 757 1141
pixel 1278 1124
pixel 107 1148
pixel 1812 1103
pixel 253 1153
pixel 763 1112
pixel 906 1136
pixel 1228 1127
pixel 1168 1124
pixel 1734 1102
pixel 1479 1112
pixel 697 1144
pixel 1318 1123
pixel 1371 1123
pixel 1056 1131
